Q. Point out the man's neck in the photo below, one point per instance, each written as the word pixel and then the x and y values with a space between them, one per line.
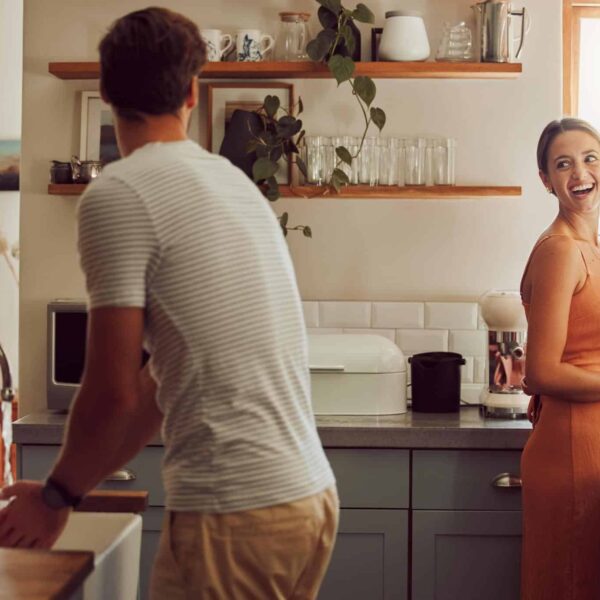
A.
pixel 162 128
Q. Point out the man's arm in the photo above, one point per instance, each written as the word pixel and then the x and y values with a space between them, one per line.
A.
pixel 113 416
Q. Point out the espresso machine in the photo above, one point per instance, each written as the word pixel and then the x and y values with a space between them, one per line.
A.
pixel 504 315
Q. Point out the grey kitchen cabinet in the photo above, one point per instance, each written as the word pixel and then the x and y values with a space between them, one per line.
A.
pixel 469 555
pixel 466 529
pixel 370 556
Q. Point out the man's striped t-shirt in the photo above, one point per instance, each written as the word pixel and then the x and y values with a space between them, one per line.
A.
pixel 184 234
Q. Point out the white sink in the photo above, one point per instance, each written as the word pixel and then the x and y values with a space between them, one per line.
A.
pixel 115 540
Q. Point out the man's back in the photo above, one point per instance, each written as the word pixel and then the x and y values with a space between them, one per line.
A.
pixel 197 245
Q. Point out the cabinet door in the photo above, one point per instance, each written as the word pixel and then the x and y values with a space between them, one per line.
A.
pixel 466 554
pixel 370 556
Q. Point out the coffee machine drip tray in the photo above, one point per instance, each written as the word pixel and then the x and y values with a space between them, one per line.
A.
pixel 505 405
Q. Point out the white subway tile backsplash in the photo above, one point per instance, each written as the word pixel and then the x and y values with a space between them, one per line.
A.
pixel 451 315
pixel 345 314
pixel 311 313
pixel 414 341
pixel 323 330
pixel 399 315
pixel 480 374
pixel 388 333
pixel 470 392
pixel 468 343
pixel 466 371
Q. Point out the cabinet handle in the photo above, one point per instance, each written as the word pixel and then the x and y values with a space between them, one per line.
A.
pixel 327 369
pixel 122 475
pixel 507 480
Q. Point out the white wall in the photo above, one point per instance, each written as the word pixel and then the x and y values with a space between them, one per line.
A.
pixel 369 249
pixel 11 59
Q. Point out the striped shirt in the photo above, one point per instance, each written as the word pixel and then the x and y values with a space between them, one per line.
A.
pixel 185 235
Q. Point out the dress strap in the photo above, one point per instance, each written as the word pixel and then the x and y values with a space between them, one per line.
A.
pixel 539 243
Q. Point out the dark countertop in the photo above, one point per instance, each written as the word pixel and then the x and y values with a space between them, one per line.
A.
pixel 465 429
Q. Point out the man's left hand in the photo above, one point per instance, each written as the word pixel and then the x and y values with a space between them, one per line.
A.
pixel 27 522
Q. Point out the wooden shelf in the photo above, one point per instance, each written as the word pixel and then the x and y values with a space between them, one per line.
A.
pixel 311 70
pixel 436 192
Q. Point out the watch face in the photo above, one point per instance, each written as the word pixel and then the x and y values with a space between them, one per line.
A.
pixel 52 497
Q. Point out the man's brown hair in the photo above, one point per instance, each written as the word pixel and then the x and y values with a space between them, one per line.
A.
pixel 147 61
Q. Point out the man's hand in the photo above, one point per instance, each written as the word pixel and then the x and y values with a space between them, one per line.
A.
pixel 27 522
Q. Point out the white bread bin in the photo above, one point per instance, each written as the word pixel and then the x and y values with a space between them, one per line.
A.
pixel 356 375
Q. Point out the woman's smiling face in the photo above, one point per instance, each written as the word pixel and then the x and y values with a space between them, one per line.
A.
pixel 573 171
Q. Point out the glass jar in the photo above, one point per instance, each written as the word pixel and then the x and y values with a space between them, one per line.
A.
pixel 293 36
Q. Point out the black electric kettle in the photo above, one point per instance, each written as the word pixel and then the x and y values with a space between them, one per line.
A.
pixel 435 381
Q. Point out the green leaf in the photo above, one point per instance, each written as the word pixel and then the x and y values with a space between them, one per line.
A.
pixel 300 105
pixel 341 67
pixel 251 145
pixel 335 6
pixel 276 153
pixel 271 105
pixel 300 137
pixel 349 38
pixel 272 190
pixel 263 168
pixel 301 166
pixel 339 179
pixel 318 48
pixel 365 88
pixel 290 147
pixel 307 231
pixel 283 219
pixel 344 155
pixel 362 14
pixel 288 126
pixel 378 117
pixel 327 19
pixel 262 151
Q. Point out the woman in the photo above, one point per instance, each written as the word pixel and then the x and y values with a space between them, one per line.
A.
pixel 560 289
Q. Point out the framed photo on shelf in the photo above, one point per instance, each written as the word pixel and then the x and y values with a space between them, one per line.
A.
pixel 225 98
pixel 98 139
pixel 10 151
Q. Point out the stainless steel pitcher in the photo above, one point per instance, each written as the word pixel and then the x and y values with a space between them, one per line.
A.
pixel 493 30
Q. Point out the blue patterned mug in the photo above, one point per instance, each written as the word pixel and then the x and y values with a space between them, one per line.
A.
pixel 252 46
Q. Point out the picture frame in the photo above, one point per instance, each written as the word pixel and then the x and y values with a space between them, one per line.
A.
pixel 98 139
pixel 224 98
pixel 10 151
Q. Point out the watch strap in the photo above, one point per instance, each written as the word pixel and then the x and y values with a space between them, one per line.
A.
pixel 66 496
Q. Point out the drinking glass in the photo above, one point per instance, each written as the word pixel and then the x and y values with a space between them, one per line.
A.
pixel 317 158
pixel 415 161
pixel 445 162
pixel 388 160
pixel 368 162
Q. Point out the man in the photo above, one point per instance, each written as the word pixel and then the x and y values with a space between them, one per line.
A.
pixel 179 249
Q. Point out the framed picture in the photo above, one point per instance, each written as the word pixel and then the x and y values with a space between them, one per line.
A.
pixel 225 98
pixel 98 139
pixel 10 151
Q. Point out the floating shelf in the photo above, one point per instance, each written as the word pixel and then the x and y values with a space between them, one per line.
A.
pixel 312 70
pixel 436 192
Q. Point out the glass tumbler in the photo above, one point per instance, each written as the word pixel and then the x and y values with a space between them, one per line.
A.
pixel 414 173
pixel 388 160
pixel 317 158
pixel 293 36
pixel 368 162
pixel 401 143
pixel 351 144
pixel 445 162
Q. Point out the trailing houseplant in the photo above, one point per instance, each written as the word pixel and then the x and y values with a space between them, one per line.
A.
pixel 334 45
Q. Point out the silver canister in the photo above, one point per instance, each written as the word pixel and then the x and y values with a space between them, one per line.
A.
pixel 85 170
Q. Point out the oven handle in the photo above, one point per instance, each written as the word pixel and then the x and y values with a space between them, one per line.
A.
pixel 507 480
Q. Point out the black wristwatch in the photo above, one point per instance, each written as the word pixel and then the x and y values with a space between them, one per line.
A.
pixel 56 496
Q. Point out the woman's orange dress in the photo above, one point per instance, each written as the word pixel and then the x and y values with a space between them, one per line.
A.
pixel 560 468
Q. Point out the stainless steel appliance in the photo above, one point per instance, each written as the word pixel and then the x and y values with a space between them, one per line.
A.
pixel 494 30
pixel 66 340
pixel 504 315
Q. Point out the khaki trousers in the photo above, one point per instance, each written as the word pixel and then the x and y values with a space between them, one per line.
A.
pixel 278 552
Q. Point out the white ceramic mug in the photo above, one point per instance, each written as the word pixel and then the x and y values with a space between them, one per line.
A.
pixel 251 45
pixel 217 43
